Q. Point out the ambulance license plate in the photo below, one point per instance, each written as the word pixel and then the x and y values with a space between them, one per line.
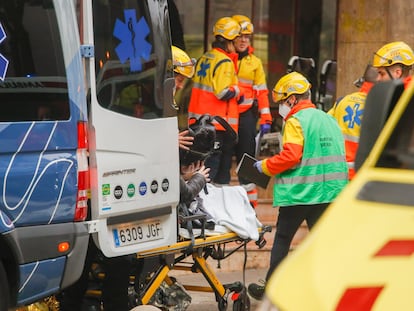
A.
pixel 134 233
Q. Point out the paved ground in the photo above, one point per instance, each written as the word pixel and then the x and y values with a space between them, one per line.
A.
pixel 206 301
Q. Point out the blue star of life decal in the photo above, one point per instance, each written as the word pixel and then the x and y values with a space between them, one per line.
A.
pixel 353 116
pixel 4 63
pixel 133 44
pixel 203 69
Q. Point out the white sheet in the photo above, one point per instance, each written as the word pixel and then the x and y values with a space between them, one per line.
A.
pixel 230 207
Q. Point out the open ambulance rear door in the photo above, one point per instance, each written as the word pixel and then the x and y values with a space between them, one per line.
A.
pixel 133 128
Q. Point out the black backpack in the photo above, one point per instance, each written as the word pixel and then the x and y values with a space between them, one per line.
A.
pixel 204 134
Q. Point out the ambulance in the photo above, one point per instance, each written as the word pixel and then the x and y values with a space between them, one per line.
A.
pixel 360 255
pixel 88 138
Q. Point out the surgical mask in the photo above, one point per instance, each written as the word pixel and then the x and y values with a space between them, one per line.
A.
pixel 284 110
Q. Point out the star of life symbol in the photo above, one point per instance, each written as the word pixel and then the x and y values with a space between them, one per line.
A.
pixel 204 66
pixel 4 63
pixel 133 44
pixel 353 116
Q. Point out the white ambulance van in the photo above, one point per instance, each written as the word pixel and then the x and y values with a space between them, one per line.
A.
pixel 88 138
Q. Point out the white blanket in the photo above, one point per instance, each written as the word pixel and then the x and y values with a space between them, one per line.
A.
pixel 230 207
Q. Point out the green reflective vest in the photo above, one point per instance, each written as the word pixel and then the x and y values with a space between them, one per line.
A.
pixel 323 171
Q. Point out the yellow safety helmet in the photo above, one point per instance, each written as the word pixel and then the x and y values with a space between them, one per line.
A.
pixel 245 24
pixel 393 53
pixel 227 27
pixel 291 83
pixel 182 63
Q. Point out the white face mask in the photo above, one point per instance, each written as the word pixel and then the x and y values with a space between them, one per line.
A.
pixel 284 110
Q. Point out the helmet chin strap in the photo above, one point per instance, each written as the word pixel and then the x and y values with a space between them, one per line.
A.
pixel 389 73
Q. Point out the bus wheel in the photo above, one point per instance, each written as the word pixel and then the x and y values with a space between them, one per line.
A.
pixel 4 289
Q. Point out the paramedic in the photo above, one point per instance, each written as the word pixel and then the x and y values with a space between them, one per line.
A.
pixel 215 91
pixel 183 67
pixel 348 112
pixel 252 84
pixel 394 61
pixel 310 169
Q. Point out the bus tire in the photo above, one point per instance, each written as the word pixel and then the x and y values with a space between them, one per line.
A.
pixel 4 289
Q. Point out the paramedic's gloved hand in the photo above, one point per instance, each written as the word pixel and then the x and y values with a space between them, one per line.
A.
pixel 264 128
pixel 240 99
pixel 258 166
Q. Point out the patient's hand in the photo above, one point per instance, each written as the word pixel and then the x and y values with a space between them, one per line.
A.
pixel 198 167
pixel 205 171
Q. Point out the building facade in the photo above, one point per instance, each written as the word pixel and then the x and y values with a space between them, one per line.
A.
pixel 347 31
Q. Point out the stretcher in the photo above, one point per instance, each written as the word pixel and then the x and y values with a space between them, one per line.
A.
pixel 173 257
pixel 196 252
pixel 150 280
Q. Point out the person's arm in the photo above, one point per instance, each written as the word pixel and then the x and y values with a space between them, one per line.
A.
pixel 189 189
pixel 292 150
pixel 262 95
pixel 225 82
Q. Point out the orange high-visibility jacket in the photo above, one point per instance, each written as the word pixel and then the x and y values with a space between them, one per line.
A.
pixel 214 79
pixel 252 83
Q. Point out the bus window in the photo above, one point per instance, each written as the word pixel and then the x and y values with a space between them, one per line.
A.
pixel 34 85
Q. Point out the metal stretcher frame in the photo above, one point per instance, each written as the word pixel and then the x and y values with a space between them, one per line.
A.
pixel 200 249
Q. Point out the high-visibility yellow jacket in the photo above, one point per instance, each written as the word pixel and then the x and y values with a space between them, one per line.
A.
pixel 252 83
pixel 348 112
pixel 215 88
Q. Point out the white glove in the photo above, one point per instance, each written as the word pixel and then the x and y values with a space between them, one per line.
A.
pixel 258 166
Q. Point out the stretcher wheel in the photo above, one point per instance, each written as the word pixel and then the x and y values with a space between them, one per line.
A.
pixel 222 304
pixel 242 303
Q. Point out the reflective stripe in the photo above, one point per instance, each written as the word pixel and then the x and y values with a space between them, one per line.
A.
pixel 226 90
pixel 222 93
pixel 203 87
pixel 229 121
pixel 322 160
pixel 236 88
pixel 234 121
pixel 351 164
pixel 260 87
pixel 245 105
pixel 264 110
pixel 247 102
pixel 354 139
pixel 311 179
pixel 252 196
pixel 246 81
